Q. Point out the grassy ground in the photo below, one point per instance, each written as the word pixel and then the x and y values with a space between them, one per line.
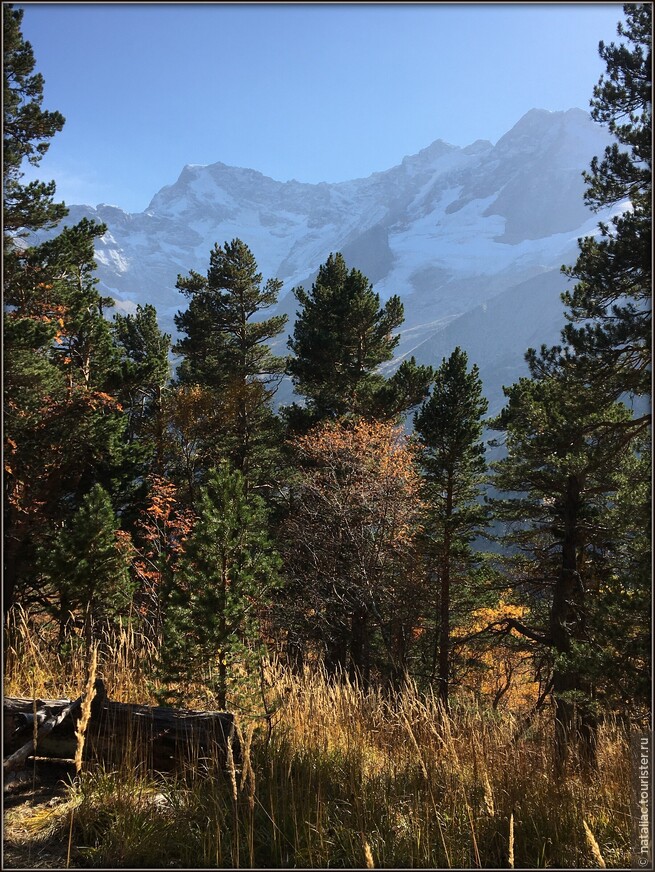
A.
pixel 347 778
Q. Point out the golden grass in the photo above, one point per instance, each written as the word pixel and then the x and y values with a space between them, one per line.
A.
pixel 510 853
pixel 89 693
pixel 593 845
pixel 349 777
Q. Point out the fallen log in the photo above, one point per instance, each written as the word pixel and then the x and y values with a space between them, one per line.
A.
pixel 45 726
pixel 157 737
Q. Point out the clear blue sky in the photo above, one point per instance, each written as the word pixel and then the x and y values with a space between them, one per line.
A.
pixel 315 92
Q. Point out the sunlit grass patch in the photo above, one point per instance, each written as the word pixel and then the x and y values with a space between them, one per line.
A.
pixel 343 776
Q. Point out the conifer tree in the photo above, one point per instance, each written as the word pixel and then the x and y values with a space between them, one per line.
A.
pixel 565 464
pixel 84 347
pixel 620 656
pixel 60 424
pixel 341 336
pixel 88 564
pixel 27 129
pixel 144 372
pixel 576 458
pixel 609 307
pixel 449 431
pixel 225 349
pixel 222 582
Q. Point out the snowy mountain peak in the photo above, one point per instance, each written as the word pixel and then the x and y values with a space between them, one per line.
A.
pixel 449 229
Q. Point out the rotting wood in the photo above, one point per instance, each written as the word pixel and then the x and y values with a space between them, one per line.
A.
pixel 160 738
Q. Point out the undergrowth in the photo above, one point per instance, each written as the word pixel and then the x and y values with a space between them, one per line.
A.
pixel 348 778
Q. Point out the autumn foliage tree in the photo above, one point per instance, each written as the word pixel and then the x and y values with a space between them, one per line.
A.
pixel 349 533
pixel 160 533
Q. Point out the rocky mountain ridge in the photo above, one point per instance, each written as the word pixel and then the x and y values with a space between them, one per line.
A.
pixel 471 239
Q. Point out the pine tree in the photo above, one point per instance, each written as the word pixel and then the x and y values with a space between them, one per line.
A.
pixel 606 355
pixel 341 336
pixel 566 456
pixel 609 308
pixel 88 564
pixel 84 347
pixel 144 372
pixel 65 422
pixel 61 427
pixel 620 658
pixel 225 349
pixel 222 582
pixel 26 131
pixel 449 431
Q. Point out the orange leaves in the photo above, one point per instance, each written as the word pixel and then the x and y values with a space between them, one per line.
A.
pixel 507 671
pixel 163 527
pixel 369 467
pixel 357 495
pixel 100 400
pixel 372 447
pixel 483 617
pixel 124 543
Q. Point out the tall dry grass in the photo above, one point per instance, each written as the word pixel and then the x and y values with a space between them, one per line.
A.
pixel 37 666
pixel 352 778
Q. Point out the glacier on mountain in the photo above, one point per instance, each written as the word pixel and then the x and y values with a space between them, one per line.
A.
pixel 472 239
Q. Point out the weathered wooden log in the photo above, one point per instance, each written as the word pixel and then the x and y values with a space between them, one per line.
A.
pixel 160 738
pixel 47 725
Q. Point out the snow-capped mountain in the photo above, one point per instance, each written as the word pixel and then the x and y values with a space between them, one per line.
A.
pixel 471 239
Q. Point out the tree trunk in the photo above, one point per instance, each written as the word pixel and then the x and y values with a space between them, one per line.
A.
pixel 222 665
pixel 9 576
pixel 161 738
pixel 444 634
pixel 575 728
pixel 444 604
pixel 336 652
pixel 359 645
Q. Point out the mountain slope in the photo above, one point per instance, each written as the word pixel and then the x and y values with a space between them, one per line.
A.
pixel 448 229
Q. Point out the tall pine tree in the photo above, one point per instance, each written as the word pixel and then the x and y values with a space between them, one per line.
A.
pixel 449 430
pixel 225 349
pixel 565 463
pixel 27 129
pixel 609 307
pixel 60 424
pixel 341 337
pixel 144 373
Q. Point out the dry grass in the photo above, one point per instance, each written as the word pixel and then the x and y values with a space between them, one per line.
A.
pixel 348 778
pixel 36 667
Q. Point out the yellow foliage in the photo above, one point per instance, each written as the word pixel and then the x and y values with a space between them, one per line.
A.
pixel 507 673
